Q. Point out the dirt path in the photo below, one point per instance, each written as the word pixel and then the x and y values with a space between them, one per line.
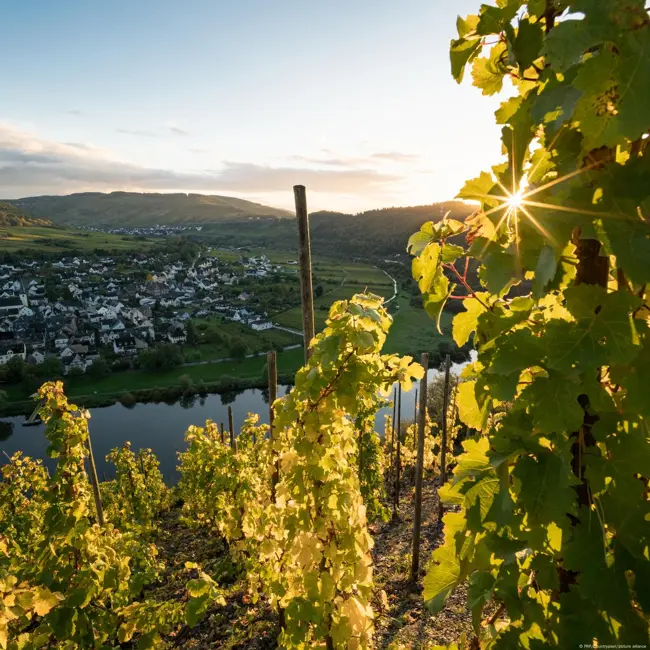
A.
pixel 406 623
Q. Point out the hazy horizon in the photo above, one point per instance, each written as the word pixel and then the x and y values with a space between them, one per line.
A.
pixel 353 99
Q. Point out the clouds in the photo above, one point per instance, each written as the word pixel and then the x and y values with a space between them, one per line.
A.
pixel 396 156
pixel 369 160
pixel 168 127
pixel 174 128
pixel 32 165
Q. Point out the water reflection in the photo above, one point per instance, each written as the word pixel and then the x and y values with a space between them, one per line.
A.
pixel 161 427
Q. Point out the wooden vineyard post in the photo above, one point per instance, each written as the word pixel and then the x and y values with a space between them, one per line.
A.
pixel 272 363
pixel 443 451
pixel 398 452
pixel 306 290
pixel 231 428
pixel 415 412
pixel 391 448
pixel 223 438
pixel 419 470
pixel 95 482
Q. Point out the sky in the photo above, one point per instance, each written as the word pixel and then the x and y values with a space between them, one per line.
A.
pixel 246 98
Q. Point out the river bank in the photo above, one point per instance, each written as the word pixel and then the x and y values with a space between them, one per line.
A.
pixel 133 386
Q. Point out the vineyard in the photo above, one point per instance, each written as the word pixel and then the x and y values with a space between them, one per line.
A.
pixel 511 512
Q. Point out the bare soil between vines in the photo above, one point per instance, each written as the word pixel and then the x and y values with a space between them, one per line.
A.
pixel 402 620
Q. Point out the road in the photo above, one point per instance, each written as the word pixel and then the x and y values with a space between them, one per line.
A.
pixel 394 281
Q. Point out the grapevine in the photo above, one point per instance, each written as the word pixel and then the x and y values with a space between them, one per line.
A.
pixel 65 581
pixel 553 489
pixel 138 494
pixel 314 546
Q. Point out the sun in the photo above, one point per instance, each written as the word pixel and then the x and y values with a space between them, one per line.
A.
pixel 516 201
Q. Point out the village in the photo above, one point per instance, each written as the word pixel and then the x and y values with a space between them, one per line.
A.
pixel 85 313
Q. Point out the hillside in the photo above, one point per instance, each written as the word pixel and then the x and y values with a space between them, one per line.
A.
pixel 119 209
pixel 368 234
pixel 13 217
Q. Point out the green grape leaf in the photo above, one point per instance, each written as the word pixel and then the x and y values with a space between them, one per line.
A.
pixel 451 252
pixel 426 269
pixel 634 79
pixel 546 491
pixel 466 322
pixel 630 242
pixel 466 25
pixel 487 72
pixel 500 269
pixel 603 332
pixel 45 600
pixel 545 271
pixel 443 576
pixel 635 379
pixel 195 609
pixel 463 51
pixel 554 403
pixel 469 410
pixel 516 352
pixel 528 44
pixel 479 591
pixel 596 110
pixel 555 105
pixel 570 39
pixel 479 189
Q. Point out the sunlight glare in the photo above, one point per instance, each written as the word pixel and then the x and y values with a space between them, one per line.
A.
pixel 516 200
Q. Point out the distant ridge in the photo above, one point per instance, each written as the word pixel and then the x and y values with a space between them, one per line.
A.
pixel 120 209
pixel 374 233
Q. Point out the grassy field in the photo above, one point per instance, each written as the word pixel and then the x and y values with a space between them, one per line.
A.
pixel 414 332
pixel 65 239
pixel 255 341
pixel 289 361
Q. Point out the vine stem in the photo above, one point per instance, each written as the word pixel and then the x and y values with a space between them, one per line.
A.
pixel 463 281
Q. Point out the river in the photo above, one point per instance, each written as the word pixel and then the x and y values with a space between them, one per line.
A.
pixel 160 427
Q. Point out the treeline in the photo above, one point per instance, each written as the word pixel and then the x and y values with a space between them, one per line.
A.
pixel 375 233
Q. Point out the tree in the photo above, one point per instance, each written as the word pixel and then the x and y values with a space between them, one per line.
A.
pixel 15 370
pixel 99 368
pixel 51 368
pixel 76 373
pixel 551 496
pixel 192 333
pixel 318 290
pixel 186 382
pixel 238 349
pixel 162 357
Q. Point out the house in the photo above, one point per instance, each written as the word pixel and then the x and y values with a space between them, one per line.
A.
pixel 60 342
pixel 67 353
pixel 78 348
pixel 176 334
pixel 10 306
pixel 261 325
pixel 10 350
pixel 77 363
pixel 125 345
pixel 36 358
pixel 85 336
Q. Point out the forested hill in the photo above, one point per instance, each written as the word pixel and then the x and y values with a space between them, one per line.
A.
pixel 122 209
pixel 12 216
pixel 382 231
pixel 373 233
